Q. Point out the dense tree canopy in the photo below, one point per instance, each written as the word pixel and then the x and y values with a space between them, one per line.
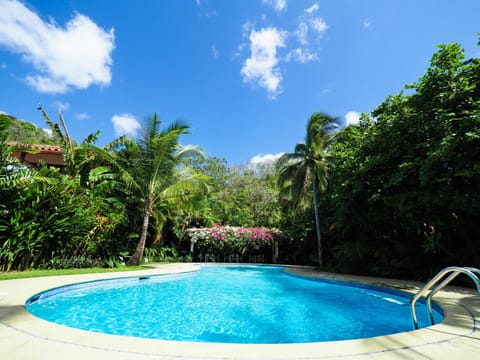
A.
pixel 25 132
pixel 406 182
pixel 240 196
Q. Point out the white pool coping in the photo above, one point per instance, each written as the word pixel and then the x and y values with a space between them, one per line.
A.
pixel 24 336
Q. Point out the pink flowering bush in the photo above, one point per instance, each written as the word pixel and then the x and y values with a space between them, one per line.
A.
pixel 230 239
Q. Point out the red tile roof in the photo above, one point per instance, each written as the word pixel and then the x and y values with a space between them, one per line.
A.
pixel 50 154
pixel 42 148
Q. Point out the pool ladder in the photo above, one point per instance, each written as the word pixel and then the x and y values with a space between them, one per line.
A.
pixel 454 271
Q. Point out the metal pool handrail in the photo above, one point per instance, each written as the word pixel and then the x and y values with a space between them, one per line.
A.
pixel 454 271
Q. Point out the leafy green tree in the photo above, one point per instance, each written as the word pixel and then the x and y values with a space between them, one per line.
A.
pixel 257 194
pixel 27 133
pixel 405 183
pixel 348 204
pixel 216 203
pixel 240 195
pixel 304 172
pixel 12 173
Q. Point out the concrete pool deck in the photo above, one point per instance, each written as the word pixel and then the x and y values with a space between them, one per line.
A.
pixel 24 336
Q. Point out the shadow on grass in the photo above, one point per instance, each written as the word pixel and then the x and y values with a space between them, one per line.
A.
pixel 14 275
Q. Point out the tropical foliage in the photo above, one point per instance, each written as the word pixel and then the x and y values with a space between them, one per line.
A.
pixel 395 195
pixel 58 224
pixel 404 192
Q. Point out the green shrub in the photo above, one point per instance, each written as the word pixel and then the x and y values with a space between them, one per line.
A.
pixel 161 254
pixel 75 262
pixel 45 221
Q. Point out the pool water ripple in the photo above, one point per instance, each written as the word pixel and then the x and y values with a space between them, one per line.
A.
pixel 230 304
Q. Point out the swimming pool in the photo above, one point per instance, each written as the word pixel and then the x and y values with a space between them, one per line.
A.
pixel 229 304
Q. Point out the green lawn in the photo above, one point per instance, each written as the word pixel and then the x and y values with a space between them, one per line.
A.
pixel 38 273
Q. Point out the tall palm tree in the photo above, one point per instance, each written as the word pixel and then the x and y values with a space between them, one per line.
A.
pixel 305 170
pixel 151 172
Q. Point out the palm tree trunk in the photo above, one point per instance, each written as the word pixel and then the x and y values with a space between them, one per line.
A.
pixel 317 221
pixel 138 254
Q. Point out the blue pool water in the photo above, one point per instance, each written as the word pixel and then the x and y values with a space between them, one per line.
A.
pixel 230 304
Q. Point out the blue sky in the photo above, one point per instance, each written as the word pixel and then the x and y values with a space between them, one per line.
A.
pixel 245 75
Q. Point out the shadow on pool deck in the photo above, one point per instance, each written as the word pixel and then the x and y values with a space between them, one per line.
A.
pixel 10 312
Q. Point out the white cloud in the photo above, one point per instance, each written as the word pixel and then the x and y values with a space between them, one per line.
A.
pixel 301 55
pixel 271 46
pixel 61 106
pixel 319 25
pixel 302 33
pixel 367 24
pixel 215 52
pixel 73 57
pixel 3 66
pixel 247 28
pixel 48 131
pixel 277 5
pixel 310 22
pixel 82 116
pixel 261 67
pixel 125 124
pixel 352 118
pixel 325 91
pixel 265 158
pixel 3 112
pixel 211 13
pixel 312 9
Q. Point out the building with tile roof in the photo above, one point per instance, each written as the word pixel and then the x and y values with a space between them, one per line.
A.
pixel 32 154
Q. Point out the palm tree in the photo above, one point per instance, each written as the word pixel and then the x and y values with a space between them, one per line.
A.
pixel 151 172
pixel 306 169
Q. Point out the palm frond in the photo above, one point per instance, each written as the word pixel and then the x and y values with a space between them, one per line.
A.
pixel 148 131
pixel 186 151
pixel 301 150
pixel 100 173
pixel 288 158
pixel 186 189
pixel 54 127
pixel 68 143
pixel 178 125
pixel 113 165
pixel 296 169
pixel 16 176
pixel 122 141
pixel 91 138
